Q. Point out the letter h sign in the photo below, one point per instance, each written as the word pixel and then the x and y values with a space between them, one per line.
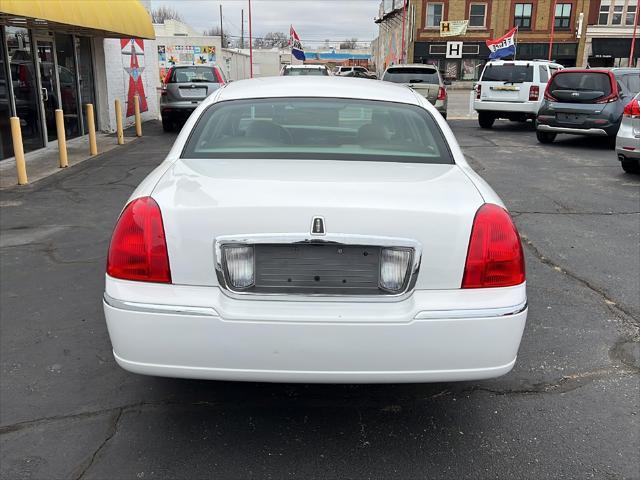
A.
pixel 454 49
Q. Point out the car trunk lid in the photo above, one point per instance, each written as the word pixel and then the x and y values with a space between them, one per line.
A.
pixel 424 80
pixel 508 82
pixel 204 199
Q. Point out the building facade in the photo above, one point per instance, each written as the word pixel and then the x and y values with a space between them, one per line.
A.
pixel 462 57
pixel 64 55
pixel 609 34
pixel 386 49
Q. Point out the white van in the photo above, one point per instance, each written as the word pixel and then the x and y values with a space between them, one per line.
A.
pixel 512 89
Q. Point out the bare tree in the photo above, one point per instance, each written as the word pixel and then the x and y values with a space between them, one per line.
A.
pixel 349 44
pixel 215 32
pixel 162 13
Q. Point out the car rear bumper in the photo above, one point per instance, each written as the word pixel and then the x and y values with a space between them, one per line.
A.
pixel 418 339
pixel 626 153
pixel 592 132
pixel 530 108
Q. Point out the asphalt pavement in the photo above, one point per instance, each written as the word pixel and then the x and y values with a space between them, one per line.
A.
pixel 569 409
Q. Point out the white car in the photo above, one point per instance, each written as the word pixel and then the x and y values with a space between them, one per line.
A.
pixel 628 139
pixel 315 230
pixel 512 89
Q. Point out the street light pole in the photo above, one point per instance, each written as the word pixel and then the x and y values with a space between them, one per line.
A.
pixel 404 21
pixel 250 44
pixel 633 38
pixel 553 27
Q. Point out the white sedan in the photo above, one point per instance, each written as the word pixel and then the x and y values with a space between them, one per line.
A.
pixel 317 229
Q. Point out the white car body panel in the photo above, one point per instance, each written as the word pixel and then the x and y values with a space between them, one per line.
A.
pixel 194 328
pixel 628 138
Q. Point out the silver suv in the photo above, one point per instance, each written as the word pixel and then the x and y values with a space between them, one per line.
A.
pixel 424 79
pixel 184 88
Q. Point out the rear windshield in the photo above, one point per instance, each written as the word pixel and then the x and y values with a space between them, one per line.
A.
pixel 581 82
pixel 192 75
pixel 507 73
pixel 305 71
pixel 411 75
pixel 318 129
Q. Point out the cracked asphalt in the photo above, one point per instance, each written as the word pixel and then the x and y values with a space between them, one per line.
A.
pixel 569 409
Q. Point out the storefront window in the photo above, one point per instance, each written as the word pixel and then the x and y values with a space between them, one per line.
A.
pixel 68 85
pixel 6 148
pixel 25 86
pixel 85 70
pixel 471 68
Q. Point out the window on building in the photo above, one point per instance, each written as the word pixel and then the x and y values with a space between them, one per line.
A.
pixel 563 15
pixel 618 9
pixel 434 14
pixel 522 16
pixel 477 14
pixel 630 17
pixel 603 15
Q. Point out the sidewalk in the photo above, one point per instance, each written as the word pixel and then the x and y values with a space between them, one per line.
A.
pixel 460 106
pixel 43 162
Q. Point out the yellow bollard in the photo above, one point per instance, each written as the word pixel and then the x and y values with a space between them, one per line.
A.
pixel 18 150
pixel 63 162
pixel 91 126
pixel 119 131
pixel 136 109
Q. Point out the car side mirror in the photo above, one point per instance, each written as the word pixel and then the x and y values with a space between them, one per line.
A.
pixel 447 82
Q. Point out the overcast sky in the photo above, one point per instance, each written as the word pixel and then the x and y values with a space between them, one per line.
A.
pixel 314 20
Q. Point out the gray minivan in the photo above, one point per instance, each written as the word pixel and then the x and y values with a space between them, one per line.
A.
pixel 184 88
pixel 424 79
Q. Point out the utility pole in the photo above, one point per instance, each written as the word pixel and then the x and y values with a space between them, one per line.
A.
pixel 221 31
pixel 553 28
pixel 250 44
pixel 242 28
pixel 633 40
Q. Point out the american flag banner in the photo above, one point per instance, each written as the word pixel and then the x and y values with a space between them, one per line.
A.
pixel 296 45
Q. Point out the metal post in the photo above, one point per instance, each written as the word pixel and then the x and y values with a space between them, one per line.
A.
pixel 91 126
pixel 62 139
pixel 221 30
pixel 18 150
pixel 633 38
pixel 136 109
pixel 119 131
pixel 404 22
pixel 250 44
pixel 553 27
pixel 242 28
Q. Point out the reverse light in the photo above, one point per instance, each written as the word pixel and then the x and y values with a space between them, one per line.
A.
pixel 394 263
pixel 534 93
pixel 138 248
pixel 632 109
pixel 239 261
pixel 442 94
pixel 495 257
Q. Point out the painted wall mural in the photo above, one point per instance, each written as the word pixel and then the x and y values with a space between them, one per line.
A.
pixel 170 55
pixel 132 49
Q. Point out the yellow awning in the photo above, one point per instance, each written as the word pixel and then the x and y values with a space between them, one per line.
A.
pixel 108 18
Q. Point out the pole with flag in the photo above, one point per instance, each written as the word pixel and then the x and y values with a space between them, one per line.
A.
pixel 553 28
pixel 503 46
pixel 250 44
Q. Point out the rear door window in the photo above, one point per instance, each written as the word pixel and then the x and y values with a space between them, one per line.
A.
pixel 507 73
pixel 412 75
pixel 544 75
pixel 631 82
pixel 192 75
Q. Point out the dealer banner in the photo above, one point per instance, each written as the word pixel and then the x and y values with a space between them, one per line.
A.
pixel 453 28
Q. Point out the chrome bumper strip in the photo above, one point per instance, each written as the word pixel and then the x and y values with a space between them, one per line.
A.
pixel 160 308
pixel 598 132
pixel 472 313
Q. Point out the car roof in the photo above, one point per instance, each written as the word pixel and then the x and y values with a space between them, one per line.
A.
pixel 522 62
pixel 304 66
pixel 413 65
pixel 323 87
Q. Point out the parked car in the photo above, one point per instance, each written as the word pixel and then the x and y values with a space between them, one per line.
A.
pixel 315 230
pixel 424 79
pixel 360 74
pixel 184 88
pixel 586 102
pixel 511 90
pixel 628 138
pixel 344 69
pixel 305 70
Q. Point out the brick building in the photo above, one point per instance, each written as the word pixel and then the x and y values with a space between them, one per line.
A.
pixel 462 57
pixel 609 32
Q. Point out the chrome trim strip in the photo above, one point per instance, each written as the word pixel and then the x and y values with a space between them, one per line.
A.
pixel 159 308
pixel 576 131
pixel 472 313
pixel 336 239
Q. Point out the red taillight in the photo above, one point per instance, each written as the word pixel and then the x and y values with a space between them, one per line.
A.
pixel 547 94
pixel 167 76
pixel 495 257
pixel 534 93
pixel 632 109
pixel 478 91
pixel 218 75
pixel 442 93
pixel 138 249
pixel 613 96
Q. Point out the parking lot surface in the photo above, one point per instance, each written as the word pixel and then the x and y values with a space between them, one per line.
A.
pixel 569 409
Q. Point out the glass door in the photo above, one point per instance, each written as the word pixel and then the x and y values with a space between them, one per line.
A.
pixel 49 87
